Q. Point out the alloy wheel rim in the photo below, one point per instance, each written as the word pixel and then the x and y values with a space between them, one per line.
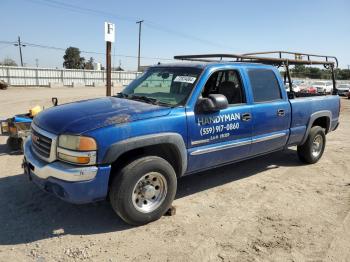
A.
pixel 149 192
pixel 317 146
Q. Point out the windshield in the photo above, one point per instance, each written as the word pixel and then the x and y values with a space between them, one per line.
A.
pixel 165 86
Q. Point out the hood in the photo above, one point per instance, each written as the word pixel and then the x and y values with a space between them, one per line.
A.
pixel 82 116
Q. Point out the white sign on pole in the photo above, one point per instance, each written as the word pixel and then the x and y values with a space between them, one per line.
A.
pixel 109 32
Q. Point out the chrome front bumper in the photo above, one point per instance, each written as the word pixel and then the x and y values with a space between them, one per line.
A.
pixel 56 169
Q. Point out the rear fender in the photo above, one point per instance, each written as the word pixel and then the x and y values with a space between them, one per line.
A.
pixel 313 118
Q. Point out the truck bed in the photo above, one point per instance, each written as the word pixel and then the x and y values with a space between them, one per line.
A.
pixel 304 107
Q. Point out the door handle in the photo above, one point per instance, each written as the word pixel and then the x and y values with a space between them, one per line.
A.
pixel 281 112
pixel 246 116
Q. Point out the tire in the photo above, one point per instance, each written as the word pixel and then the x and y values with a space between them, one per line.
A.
pixel 13 143
pixel 135 197
pixel 312 150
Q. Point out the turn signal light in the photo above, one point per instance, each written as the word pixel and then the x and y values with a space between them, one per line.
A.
pixel 75 159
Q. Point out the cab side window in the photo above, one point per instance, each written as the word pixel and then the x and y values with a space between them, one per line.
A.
pixel 264 85
pixel 227 83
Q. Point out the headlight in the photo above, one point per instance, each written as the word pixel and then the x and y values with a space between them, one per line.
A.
pixel 77 143
pixel 79 150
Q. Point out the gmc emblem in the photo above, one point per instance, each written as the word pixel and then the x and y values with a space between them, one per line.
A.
pixel 35 138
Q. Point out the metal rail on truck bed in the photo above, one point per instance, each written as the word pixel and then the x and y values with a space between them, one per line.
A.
pixel 283 59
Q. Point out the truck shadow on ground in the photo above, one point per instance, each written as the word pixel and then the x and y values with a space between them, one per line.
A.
pixel 28 214
pixel 5 150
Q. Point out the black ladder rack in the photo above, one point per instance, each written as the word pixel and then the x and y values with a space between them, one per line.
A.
pixel 283 59
pixel 256 58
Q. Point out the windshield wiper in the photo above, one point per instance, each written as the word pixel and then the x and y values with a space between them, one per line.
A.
pixel 147 99
pixel 122 95
pixel 143 98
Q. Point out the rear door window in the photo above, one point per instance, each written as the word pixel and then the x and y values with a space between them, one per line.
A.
pixel 264 85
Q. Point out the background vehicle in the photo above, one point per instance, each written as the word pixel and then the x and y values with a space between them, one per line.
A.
pixel 309 90
pixel 174 120
pixel 17 128
pixel 343 89
pixel 322 87
pixel 298 85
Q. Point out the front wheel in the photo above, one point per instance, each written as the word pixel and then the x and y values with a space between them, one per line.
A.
pixel 143 190
pixel 312 150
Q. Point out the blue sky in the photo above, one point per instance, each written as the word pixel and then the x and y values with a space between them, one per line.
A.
pixel 175 27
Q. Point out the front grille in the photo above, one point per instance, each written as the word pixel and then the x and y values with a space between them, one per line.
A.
pixel 41 144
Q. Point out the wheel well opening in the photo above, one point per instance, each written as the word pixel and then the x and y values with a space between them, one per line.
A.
pixel 322 122
pixel 166 151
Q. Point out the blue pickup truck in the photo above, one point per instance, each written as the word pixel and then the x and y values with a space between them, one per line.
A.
pixel 174 120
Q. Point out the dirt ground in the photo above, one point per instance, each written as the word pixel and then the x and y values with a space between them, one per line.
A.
pixel 271 208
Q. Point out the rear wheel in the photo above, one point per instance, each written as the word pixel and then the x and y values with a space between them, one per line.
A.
pixel 143 190
pixel 312 150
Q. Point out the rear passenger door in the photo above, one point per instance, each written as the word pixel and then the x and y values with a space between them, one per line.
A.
pixel 271 113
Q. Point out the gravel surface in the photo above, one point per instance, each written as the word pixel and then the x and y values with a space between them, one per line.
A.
pixel 272 208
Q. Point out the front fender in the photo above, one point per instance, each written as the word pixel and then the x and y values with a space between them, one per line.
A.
pixel 121 147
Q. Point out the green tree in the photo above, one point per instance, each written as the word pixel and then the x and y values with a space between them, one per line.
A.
pixel 342 74
pixel 315 73
pixel 8 62
pixel 89 64
pixel 299 71
pixel 72 59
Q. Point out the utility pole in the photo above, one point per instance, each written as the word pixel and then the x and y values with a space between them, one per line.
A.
pixel 139 53
pixel 108 69
pixel 19 44
pixel 109 38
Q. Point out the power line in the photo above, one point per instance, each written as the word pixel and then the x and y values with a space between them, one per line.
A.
pixel 85 51
pixel 155 26
pixel 81 9
pixel 5 46
pixel 183 35
pixel 8 42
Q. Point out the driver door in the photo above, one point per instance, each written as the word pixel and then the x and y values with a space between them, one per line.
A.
pixel 217 138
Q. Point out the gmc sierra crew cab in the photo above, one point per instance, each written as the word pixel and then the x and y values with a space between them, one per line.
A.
pixel 174 120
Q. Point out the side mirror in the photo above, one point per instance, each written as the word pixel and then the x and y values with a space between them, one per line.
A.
pixel 214 103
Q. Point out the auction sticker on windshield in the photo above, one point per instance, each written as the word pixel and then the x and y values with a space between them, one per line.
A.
pixel 185 79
